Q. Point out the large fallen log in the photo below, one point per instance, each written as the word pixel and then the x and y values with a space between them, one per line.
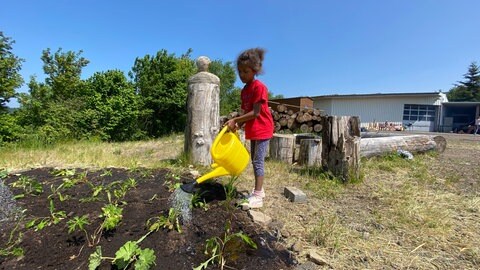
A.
pixel 378 146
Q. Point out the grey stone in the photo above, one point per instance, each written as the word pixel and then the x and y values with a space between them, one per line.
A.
pixel 285 233
pixel 295 195
pixel 259 217
pixel 307 266
pixel 316 258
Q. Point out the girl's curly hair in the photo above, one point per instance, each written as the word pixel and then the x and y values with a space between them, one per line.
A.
pixel 252 58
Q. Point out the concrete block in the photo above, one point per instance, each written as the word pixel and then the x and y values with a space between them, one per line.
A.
pixel 295 195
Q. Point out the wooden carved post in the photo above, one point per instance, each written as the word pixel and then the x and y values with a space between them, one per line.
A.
pixel 341 146
pixel 203 120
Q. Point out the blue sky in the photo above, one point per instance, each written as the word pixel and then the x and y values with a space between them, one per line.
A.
pixel 314 47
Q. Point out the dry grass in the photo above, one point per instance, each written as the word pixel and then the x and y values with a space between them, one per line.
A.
pixel 418 214
pixel 149 154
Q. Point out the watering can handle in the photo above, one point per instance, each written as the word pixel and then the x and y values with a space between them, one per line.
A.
pixel 220 134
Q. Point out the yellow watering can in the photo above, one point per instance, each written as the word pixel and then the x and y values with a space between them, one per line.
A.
pixel 229 155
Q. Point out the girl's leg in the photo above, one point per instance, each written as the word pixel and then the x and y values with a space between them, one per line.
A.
pixel 259 151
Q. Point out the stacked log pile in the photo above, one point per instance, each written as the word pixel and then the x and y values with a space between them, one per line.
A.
pixel 288 121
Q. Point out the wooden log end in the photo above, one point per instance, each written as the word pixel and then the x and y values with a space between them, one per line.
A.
pixel 441 143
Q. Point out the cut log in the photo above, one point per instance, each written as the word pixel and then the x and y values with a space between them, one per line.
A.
pixel 281 108
pixel 282 147
pixel 276 115
pixel 317 127
pixel 310 152
pixel 291 123
pixel 283 121
pixel 277 126
pixel 307 117
pixel 379 146
pixel 304 128
pixel 341 146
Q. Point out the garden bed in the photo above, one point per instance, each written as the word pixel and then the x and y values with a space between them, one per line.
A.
pixel 144 195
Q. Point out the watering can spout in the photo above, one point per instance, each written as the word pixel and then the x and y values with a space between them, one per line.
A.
pixel 216 172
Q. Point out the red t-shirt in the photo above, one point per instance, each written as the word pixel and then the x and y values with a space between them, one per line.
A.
pixel 261 127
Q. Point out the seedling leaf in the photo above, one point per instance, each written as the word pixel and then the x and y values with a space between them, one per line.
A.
pixel 95 259
pixel 146 259
pixel 125 254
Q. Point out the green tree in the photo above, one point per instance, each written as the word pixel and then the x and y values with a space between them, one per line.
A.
pixel 10 66
pixel 229 95
pixel 34 105
pixel 10 130
pixel 111 107
pixel 469 89
pixel 52 109
pixel 161 83
pixel 63 70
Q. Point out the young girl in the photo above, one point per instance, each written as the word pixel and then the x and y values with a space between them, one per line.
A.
pixel 256 117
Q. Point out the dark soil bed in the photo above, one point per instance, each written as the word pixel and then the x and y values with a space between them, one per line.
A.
pixel 53 247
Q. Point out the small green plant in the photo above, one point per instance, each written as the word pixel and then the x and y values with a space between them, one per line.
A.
pixel 220 249
pixel 64 172
pixel 54 218
pixel 112 215
pixel 96 190
pixel 3 173
pixel 106 173
pixel 129 253
pixel 56 192
pixel 170 222
pixel 29 185
pixel 198 202
pixel 172 182
pixel 227 247
pixel 11 248
pixel 78 223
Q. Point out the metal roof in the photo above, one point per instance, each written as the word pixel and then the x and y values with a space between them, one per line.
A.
pixel 379 95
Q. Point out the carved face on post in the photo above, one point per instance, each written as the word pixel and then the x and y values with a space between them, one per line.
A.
pixel 202 63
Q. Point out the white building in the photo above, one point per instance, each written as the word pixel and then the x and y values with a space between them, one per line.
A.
pixel 417 111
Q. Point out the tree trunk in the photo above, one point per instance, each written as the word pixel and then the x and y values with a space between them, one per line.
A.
pixel 341 146
pixel 378 146
pixel 310 152
pixel 282 147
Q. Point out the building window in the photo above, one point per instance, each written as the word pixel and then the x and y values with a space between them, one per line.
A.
pixel 412 112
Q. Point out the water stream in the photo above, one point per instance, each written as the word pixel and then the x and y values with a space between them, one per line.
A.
pixel 180 201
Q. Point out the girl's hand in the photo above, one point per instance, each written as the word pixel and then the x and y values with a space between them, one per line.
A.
pixel 232 125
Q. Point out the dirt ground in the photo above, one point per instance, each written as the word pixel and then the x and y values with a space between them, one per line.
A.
pixel 54 247
pixel 423 217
